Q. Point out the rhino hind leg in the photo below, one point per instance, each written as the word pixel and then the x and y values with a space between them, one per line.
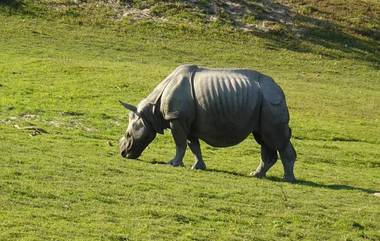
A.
pixel 273 138
pixel 288 156
pixel 195 148
pixel 268 159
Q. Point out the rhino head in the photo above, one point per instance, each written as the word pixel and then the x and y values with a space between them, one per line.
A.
pixel 138 135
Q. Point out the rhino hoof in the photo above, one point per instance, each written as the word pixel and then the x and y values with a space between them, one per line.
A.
pixel 176 163
pixel 257 174
pixel 290 179
pixel 198 166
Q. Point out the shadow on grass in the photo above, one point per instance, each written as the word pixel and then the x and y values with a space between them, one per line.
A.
pixel 227 172
pixel 326 186
pixel 329 36
pixel 339 38
pixel 12 4
pixel 277 179
pixel 302 182
pixel 155 162
pixel 344 40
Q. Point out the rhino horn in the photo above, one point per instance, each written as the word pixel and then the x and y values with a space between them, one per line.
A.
pixel 129 106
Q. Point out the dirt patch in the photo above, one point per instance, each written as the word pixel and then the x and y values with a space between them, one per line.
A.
pixel 34 130
pixel 130 12
pixel 137 13
pixel 263 15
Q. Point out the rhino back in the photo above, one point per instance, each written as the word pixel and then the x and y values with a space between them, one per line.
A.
pixel 228 102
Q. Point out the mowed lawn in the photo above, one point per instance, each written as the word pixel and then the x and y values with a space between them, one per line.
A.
pixel 62 178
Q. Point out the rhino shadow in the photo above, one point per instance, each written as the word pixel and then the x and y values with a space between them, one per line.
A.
pixel 227 172
pixel 155 162
pixel 302 182
pixel 325 186
pixel 277 179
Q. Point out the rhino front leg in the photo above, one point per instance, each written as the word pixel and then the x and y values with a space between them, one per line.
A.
pixel 196 150
pixel 180 140
pixel 268 159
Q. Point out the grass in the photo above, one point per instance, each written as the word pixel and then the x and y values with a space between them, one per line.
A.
pixel 65 73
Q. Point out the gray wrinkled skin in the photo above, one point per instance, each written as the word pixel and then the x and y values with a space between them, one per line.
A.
pixel 219 106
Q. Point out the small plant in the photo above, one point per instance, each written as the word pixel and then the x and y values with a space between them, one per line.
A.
pixel 249 19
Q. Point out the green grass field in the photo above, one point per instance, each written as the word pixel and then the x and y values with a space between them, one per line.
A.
pixel 64 66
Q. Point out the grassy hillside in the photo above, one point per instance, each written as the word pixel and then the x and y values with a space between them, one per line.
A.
pixel 64 64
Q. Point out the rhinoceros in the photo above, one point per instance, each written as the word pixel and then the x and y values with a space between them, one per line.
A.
pixel 219 106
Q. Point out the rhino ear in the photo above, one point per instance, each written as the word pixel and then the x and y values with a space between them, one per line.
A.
pixel 128 106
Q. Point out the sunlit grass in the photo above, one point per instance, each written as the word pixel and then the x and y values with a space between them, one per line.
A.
pixel 71 184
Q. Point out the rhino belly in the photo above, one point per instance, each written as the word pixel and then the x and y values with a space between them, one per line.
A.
pixel 223 137
pixel 222 131
pixel 227 108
